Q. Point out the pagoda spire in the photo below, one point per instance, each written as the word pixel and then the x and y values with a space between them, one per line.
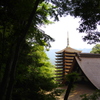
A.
pixel 67 39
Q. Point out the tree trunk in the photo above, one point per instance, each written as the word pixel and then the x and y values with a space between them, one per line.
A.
pixel 5 79
pixel 68 90
pixel 12 61
pixel 12 73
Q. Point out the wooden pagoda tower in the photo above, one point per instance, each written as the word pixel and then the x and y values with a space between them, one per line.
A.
pixel 65 61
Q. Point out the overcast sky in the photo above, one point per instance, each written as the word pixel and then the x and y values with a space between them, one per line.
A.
pixel 59 30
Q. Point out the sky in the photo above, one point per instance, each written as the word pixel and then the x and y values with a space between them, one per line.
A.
pixel 59 30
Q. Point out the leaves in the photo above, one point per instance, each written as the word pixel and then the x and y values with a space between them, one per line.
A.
pixel 96 49
pixel 89 12
pixel 34 74
pixel 94 96
pixel 72 76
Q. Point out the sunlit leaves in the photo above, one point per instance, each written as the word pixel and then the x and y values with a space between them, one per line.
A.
pixel 96 49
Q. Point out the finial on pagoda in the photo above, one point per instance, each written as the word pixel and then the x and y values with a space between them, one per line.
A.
pixel 67 39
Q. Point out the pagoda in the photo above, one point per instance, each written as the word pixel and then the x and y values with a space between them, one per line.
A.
pixel 64 61
pixel 71 60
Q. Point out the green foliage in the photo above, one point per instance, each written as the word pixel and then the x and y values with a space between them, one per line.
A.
pixel 94 96
pixel 32 86
pixel 34 75
pixel 89 12
pixel 96 49
pixel 20 22
pixel 72 76
pixel 84 9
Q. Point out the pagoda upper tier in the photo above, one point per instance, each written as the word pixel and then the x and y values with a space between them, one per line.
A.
pixel 69 49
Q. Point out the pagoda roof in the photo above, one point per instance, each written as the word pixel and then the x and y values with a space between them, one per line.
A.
pixel 70 50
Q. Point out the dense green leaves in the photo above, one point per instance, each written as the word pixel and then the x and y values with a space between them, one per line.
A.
pixel 19 21
pixel 89 12
pixel 34 74
pixel 96 49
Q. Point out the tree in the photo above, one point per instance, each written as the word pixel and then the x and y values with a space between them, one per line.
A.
pixel 11 29
pixel 96 49
pixel 20 21
pixel 34 75
pixel 13 33
pixel 89 12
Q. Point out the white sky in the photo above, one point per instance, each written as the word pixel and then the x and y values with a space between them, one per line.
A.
pixel 59 30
